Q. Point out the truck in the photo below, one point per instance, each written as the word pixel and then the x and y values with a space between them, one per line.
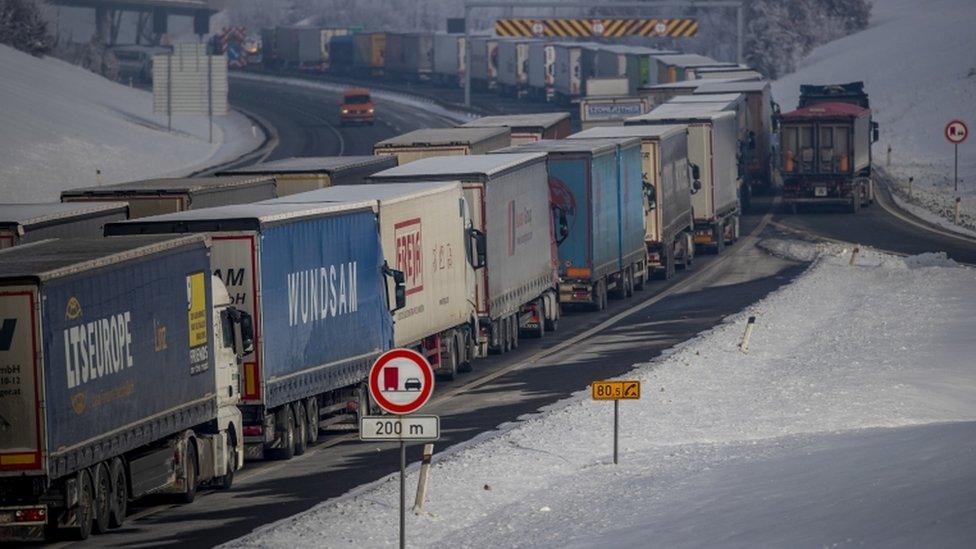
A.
pixel 369 53
pixel 341 53
pixel 23 223
pixel 662 93
pixel 712 156
pixel 610 110
pixel 429 142
pixel 449 67
pixel 509 200
pixel 574 63
pixel 620 61
pixel 677 67
pixel 157 196
pixel 825 155
pixel 596 189
pixel 758 166
pixel 542 59
pixel 113 388
pixel 668 217
pixel 513 66
pixel 426 232
pixel 308 173
pixel 314 280
pixel 297 47
pixel 528 127
pixel 739 73
pixel 410 55
pixel 484 62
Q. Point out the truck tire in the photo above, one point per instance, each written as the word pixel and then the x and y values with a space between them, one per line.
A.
pixel 855 201
pixel 102 497
pixel 312 409
pixel 718 235
pixel 84 512
pixel 227 481
pixel 600 295
pixel 552 324
pixel 452 363
pixel 190 493
pixel 514 323
pixel 301 429
pixel 120 494
pixel 540 331
pixel 467 362
pixel 285 423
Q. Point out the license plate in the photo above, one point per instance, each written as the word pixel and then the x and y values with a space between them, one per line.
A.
pixel 820 191
pixel 6 517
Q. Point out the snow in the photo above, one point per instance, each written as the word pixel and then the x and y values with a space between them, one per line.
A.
pixel 61 123
pixel 917 62
pixel 850 421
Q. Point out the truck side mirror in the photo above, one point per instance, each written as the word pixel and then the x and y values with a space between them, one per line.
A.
pixel 399 287
pixel 651 194
pixel 695 186
pixel 875 133
pixel 480 247
pixel 243 330
pixel 695 178
pixel 562 224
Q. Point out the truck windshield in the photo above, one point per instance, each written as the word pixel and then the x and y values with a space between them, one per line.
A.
pixel 357 99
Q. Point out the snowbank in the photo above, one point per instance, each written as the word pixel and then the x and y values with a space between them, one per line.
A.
pixel 842 424
pixel 60 123
pixel 917 62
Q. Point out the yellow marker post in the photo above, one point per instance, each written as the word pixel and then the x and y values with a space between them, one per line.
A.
pixel 616 391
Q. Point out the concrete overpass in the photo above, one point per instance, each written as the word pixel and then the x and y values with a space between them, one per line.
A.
pixel 107 13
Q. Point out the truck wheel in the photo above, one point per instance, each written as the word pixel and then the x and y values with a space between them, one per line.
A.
pixel 514 323
pixel 856 201
pixel 600 295
pixel 225 482
pixel 102 497
pixel 552 324
pixel 452 364
pixel 301 429
pixel 285 423
pixel 466 363
pixel 190 493
pixel 641 281
pixel 86 505
pixel 120 494
pixel 506 335
pixel 540 332
pixel 312 409
pixel 718 235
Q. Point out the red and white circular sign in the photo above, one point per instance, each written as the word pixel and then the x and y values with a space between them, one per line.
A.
pixel 401 381
pixel 956 132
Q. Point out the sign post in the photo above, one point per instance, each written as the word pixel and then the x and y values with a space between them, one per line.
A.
pixel 616 391
pixel 401 381
pixel 956 132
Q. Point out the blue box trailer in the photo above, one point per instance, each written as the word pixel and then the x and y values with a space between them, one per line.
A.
pixel 110 370
pixel 596 188
pixel 313 278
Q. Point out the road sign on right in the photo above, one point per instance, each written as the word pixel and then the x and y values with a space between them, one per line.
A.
pixel 616 390
pixel 956 132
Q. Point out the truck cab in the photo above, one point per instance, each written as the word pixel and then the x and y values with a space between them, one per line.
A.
pixel 357 107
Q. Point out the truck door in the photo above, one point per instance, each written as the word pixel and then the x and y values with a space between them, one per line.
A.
pixel 20 408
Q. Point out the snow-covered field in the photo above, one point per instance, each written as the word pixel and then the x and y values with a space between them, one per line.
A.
pixel 917 62
pixel 60 123
pixel 850 421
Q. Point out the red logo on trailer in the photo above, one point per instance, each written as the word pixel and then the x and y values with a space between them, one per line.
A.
pixel 401 381
pixel 409 259
pixel 956 132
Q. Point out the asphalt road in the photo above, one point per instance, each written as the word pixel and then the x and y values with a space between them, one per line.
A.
pixel 588 346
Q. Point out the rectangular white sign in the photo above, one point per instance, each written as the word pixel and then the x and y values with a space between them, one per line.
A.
pixel 400 428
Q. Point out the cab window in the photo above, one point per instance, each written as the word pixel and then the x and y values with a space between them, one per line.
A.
pixel 357 99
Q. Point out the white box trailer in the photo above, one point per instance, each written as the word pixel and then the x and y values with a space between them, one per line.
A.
pixel 449 67
pixel 308 173
pixel 430 142
pixel 484 62
pixel 509 198
pixel 513 66
pixel 23 223
pixel 712 154
pixel 668 216
pixel 542 59
pixel 573 65
pixel 424 230
pixel 674 68
pixel 528 127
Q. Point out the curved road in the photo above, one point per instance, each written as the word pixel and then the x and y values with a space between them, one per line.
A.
pixel 588 346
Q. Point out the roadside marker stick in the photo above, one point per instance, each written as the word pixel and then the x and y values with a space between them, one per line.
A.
pixel 744 346
pixel 418 504
pixel 958 212
pixel 616 428
pixel 854 254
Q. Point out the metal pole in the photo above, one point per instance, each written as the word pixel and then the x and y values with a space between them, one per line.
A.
pixel 955 177
pixel 616 428
pixel 467 57
pixel 169 92
pixel 738 35
pixel 403 493
pixel 210 93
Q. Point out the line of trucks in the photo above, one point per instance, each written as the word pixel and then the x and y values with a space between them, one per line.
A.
pixel 156 334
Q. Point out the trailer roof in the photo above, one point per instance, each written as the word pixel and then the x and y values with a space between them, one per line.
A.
pixel 175 185
pixel 707 98
pixel 642 131
pixel 828 110
pixel 695 113
pixel 384 192
pixel 693 60
pixel 529 120
pixel 589 146
pixel 472 165
pixel 27 215
pixel 442 137
pixel 55 258
pixel 638 50
pixel 237 217
pixel 314 164
pixel 716 86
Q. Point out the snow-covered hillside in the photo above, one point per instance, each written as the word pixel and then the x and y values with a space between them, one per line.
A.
pixel 60 123
pixel 918 64
pixel 850 421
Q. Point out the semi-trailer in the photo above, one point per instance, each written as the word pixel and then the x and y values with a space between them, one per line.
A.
pixel 23 223
pixel 740 72
pixel 449 67
pixel 513 66
pixel 410 55
pixel 509 199
pixel 661 93
pixel 574 63
pixel 119 380
pixel 610 110
pixel 426 232
pixel 315 282
pixel 369 53
pixel 712 155
pixel 159 196
pixel 542 59
pixel 596 191
pixel 484 62
pixel 425 143
pixel 668 216
pixel 674 68
pixel 528 127
pixel 303 174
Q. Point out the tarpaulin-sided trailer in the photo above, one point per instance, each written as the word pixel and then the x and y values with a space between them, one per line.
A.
pixel 509 200
pixel 513 66
pixel 308 173
pixel 542 59
pixel 449 67
pixel 712 155
pixel 610 111
pixel 158 196
pixel 596 188
pixel 369 55
pixel 22 223
pixel 484 62
pixel 424 228
pixel 430 142
pixel 668 217
pixel 528 127
pixel 313 278
pixel 119 361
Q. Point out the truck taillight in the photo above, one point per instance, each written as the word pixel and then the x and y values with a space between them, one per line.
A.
pixel 253 430
pixel 36 514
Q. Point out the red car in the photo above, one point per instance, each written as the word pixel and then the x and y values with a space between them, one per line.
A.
pixel 357 107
